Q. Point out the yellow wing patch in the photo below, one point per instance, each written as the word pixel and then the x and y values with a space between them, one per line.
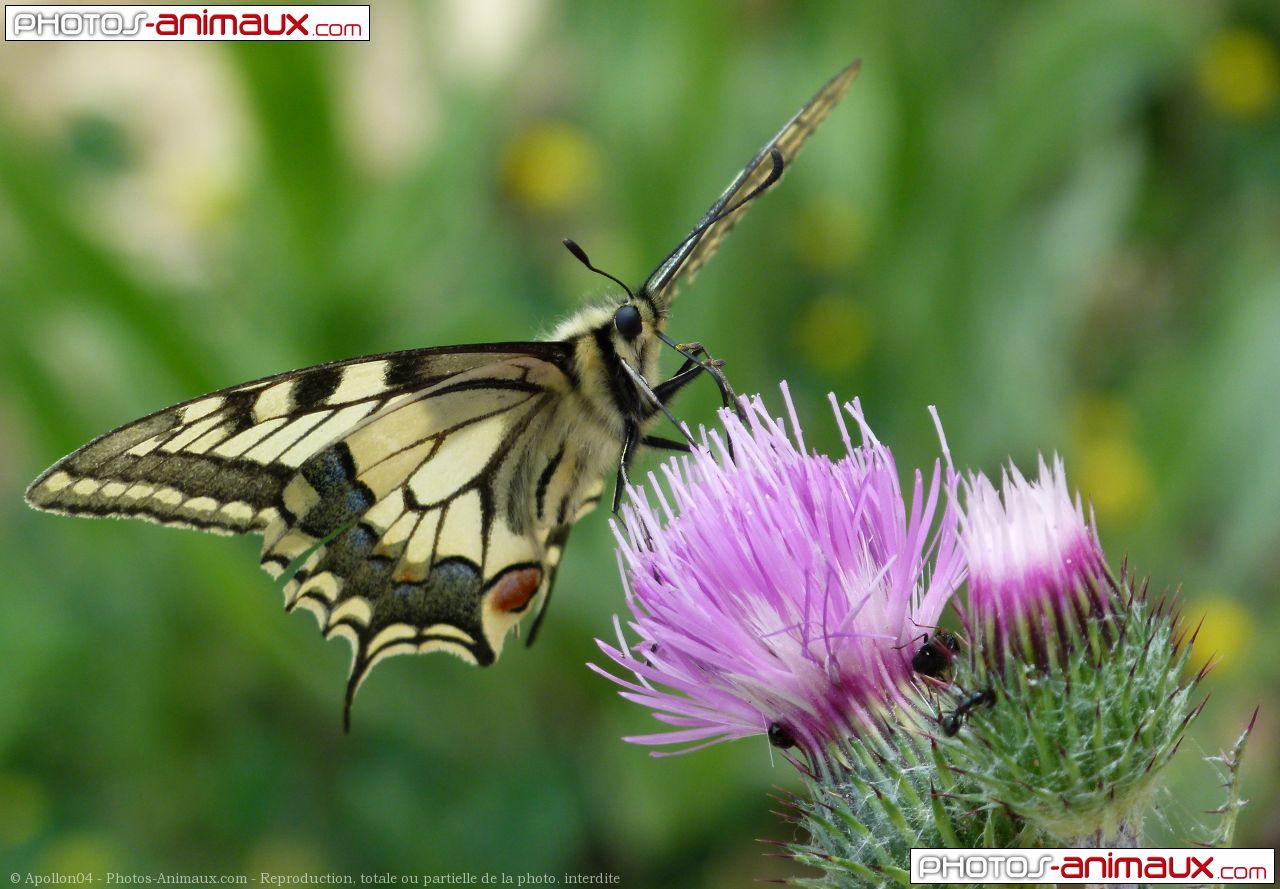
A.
pixel 414 528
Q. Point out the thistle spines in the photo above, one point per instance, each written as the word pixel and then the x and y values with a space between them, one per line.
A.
pixel 861 830
pixel 1061 748
pixel 1228 765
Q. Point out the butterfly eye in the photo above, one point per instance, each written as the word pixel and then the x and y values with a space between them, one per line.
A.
pixel 627 320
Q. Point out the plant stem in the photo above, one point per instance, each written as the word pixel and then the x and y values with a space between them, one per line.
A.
pixel 1128 835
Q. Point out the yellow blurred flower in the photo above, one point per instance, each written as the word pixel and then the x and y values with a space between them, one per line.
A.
pixel 828 234
pixel 24 809
pixel 1110 468
pixel 832 333
pixel 285 856
pixel 1239 73
pixel 1226 635
pixel 549 165
pixel 205 199
pixel 79 853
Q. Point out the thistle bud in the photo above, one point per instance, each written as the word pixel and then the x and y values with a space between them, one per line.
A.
pixel 1074 699
pixel 1037 575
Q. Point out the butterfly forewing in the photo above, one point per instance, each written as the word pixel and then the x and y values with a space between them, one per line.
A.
pixel 685 260
pixel 219 462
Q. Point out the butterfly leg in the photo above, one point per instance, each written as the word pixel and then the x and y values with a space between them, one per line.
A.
pixel 696 355
pixel 690 370
pixel 628 453
pixel 657 442
pixel 667 389
pixel 716 369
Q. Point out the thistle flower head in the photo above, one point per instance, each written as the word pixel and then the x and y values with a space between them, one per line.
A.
pixel 1035 563
pixel 778 592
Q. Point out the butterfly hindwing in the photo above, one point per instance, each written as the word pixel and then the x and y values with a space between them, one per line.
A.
pixel 415 531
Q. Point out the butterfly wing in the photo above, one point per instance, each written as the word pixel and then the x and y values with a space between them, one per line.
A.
pixel 220 462
pixel 686 259
pixel 422 499
pixel 435 524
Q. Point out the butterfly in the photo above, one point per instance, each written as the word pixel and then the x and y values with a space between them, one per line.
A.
pixel 420 501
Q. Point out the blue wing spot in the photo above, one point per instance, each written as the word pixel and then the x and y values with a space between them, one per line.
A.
pixel 408 595
pixel 359 499
pixel 337 507
pixel 450 594
pixel 362 537
pixel 330 469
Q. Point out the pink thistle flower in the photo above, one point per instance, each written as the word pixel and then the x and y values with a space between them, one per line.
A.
pixel 779 592
pixel 1036 567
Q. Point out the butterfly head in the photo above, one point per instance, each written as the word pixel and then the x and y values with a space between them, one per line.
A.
pixel 633 329
pixel 632 324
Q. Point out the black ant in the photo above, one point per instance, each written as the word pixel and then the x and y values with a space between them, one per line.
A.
pixel 780 736
pixel 952 722
pixel 936 653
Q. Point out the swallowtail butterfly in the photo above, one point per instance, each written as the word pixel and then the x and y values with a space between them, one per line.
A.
pixel 420 501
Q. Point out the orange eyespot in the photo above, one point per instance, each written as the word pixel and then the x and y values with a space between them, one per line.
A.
pixel 514 589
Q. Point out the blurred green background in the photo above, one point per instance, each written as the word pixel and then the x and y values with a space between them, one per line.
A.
pixel 1058 222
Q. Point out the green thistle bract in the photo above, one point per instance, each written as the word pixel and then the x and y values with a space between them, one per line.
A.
pixel 1079 672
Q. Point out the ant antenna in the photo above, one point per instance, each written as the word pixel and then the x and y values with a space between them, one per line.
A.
pixel 581 256
pixel 923 637
pixel 937 629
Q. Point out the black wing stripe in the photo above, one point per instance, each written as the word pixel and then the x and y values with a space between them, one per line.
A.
pixel 317 386
pixel 540 496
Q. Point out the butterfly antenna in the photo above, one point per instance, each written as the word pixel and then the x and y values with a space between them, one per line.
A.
pixel 775 173
pixel 581 256
pixel 686 246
